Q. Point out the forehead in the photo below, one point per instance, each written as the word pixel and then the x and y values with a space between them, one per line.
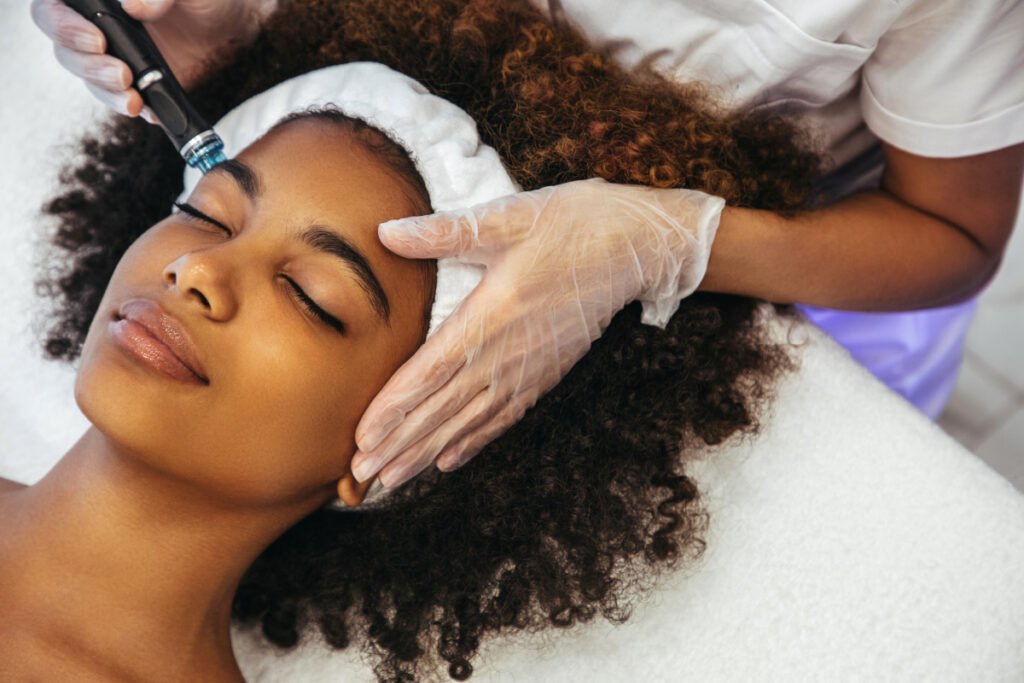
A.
pixel 328 163
pixel 314 171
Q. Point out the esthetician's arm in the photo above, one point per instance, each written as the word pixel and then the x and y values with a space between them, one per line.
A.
pixel 933 235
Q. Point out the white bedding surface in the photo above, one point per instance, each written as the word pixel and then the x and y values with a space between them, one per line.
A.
pixel 852 540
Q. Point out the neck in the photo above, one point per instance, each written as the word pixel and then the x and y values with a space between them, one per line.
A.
pixel 108 560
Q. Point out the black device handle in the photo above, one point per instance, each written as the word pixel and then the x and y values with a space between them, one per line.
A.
pixel 128 41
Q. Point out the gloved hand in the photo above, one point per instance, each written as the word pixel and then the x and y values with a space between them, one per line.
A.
pixel 561 262
pixel 187 32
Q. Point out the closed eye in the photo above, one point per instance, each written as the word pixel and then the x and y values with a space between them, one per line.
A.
pixel 311 307
pixel 307 304
pixel 195 213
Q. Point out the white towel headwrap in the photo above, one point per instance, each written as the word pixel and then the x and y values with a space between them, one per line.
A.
pixel 457 169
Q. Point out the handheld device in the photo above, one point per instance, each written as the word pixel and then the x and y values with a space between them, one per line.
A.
pixel 127 40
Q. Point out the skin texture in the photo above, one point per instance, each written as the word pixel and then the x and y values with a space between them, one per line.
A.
pixel 570 514
pixel 177 487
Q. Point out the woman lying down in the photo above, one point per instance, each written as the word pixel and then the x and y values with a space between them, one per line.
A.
pixel 213 486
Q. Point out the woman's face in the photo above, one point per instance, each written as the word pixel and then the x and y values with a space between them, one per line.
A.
pixel 274 418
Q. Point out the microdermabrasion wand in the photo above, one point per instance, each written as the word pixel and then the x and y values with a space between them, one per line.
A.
pixel 127 40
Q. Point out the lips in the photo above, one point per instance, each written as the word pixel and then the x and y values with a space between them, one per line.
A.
pixel 159 339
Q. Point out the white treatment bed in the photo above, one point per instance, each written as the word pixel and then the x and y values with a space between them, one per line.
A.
pixel 850 541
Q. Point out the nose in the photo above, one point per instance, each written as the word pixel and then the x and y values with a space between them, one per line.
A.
pixel 203 279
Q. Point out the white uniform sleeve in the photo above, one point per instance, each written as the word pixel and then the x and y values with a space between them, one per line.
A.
pixel 947 79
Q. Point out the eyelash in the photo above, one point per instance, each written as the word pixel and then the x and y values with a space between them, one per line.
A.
pixel 310 305
pixel 191 213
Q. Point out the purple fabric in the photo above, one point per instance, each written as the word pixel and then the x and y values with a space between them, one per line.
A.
pixel 917 354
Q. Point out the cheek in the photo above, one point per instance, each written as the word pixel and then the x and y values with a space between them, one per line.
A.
pixel 304 395
pixel 135 272
pixel 128 274
pixel 277 432
pixel 286 417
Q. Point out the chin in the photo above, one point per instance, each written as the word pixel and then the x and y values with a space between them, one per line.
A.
pixel 126 412
pixel 234 466
pixel 182 430
pixel 139 411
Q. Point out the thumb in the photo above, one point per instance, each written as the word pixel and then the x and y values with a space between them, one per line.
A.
pixel 450 233
pixel 146 10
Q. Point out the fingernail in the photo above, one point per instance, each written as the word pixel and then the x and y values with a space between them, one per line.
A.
pixel 454 461
pixel 148 115
pixel 364 469
pixel 119 102
pixel 111 76
pixel 391 226
pixel 447 463
pixel 399 230
pixel 86 42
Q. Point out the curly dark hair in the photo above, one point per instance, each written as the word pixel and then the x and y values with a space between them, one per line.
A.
pixel 573 511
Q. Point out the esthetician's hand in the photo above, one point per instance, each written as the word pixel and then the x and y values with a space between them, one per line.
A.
pixel 561 262
pixel 186 31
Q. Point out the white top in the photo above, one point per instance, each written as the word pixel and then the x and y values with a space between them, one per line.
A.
pixel 939 78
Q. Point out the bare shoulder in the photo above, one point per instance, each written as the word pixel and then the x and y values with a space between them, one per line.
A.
pixel 8 485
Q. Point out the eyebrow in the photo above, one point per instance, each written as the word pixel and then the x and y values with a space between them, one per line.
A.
pixel 243 175
pixel 327 241
pixel 320 237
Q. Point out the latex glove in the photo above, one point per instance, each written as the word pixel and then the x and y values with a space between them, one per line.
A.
pixel 186 32
pixel 561 262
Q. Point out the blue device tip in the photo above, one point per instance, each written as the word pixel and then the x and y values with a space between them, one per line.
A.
pixel 207 156
pixel 209 159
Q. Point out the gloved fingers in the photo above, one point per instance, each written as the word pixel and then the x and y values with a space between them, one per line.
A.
pixel 127 102
pixel 67 28
pixel 411 464
pixel 430 368
pixel 466 448
pixel 436 410
pixel 448 233
pixel 80 48
pixel 421 455
pixel 470 233
pixel 103 71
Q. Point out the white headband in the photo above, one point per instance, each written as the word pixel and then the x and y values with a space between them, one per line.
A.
pixel 457 169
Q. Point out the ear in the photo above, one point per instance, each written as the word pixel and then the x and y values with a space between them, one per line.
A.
pixel 351 491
